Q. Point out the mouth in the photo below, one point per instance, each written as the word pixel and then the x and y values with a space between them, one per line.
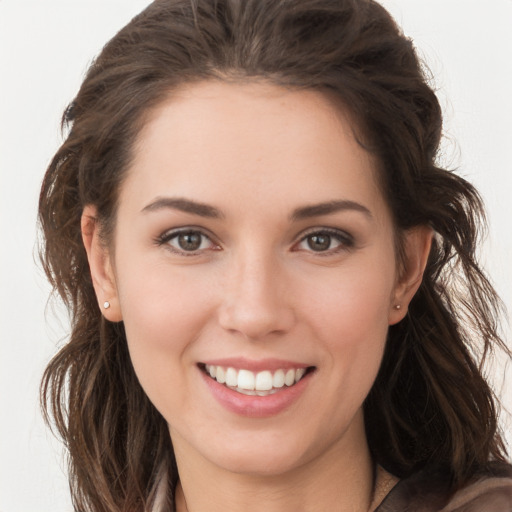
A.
pixel 261 383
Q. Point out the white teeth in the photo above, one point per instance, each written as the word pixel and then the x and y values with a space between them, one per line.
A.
pixel 245 379
pixel 250 383
pixel 263 381
pixel 231 377
pixel 299 373
pixel 289 378
pixel 249 392
pixel 220 375
pixel 278 379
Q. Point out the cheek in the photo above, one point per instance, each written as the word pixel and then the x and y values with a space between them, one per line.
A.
pixel 355 302
pixel 351 321
pixel 159 304
pixel 163 316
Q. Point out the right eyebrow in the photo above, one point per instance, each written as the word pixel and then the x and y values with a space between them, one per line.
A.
pixel 184 205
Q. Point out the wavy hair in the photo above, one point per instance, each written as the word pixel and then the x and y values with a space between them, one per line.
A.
pixel 430 404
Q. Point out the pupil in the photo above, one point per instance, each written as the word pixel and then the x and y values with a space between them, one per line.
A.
pixel 319 242
pixel 189 241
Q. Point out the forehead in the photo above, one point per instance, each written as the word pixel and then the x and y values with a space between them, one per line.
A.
pixel 254 140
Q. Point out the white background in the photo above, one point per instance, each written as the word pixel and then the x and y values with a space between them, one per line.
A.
pixel 45 48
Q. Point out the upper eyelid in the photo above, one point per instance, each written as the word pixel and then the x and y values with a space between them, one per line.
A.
pixel 346 240
pixel 171 233
pixel 327 230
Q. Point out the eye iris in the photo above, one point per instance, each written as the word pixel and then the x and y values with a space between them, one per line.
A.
pixel 319 242
pixel 189 241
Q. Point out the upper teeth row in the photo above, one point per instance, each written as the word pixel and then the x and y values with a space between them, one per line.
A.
pixel 260 381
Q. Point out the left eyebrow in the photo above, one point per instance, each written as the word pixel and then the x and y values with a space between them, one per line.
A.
pixel 328 208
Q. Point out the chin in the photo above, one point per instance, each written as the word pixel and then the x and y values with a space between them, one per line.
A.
pixel 265 453
pixel 258 463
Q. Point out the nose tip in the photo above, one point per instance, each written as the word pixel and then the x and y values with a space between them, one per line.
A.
pixel 254 322
pixel 256 304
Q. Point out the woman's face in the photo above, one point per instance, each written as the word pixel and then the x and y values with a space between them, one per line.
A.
pixel 253 242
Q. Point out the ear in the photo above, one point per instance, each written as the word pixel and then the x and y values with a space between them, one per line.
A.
pixel 417 243
pixel 100 264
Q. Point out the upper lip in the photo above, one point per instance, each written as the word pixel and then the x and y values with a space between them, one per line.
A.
pixel 242 363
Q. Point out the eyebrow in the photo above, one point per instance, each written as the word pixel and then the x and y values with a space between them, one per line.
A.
pixel 208 211
pixel 327 208
pixel 184 205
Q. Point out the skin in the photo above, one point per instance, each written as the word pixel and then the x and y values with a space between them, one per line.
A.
pixel 257 289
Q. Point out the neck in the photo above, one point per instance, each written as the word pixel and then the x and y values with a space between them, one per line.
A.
pixel 342 478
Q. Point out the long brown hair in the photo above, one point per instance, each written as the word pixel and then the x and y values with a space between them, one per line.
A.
pixel 430 405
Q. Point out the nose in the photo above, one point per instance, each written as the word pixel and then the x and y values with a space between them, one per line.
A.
pixel 256 300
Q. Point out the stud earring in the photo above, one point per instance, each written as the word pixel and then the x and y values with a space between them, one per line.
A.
pixel 398 306
pixel 106 304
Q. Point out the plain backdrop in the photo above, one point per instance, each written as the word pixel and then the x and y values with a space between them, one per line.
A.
pixel 45 48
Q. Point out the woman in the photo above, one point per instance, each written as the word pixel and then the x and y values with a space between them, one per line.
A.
pixel 273 286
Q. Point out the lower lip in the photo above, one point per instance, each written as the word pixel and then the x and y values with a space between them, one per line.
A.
pixel 256 406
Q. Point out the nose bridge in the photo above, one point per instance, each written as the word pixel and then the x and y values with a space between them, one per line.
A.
pixel 254 300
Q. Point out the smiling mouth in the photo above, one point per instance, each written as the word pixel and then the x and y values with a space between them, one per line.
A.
pixel 262 383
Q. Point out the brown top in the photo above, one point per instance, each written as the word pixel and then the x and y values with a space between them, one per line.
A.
pixel 489 491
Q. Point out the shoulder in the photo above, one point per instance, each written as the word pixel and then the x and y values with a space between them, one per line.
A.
pixel 490 491
pixel 428 491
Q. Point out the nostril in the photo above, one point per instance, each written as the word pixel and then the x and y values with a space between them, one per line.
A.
pixel 255 322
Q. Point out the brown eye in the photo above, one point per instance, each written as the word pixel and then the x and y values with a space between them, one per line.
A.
pixel 319 242
pixel 190 241
pixel 187 241
pixel 328 241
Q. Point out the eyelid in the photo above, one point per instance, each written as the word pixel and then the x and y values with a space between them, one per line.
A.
pixel 171 234
pixel 346 240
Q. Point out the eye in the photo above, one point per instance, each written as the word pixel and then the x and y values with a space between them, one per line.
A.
pixel 186 241
pixel 326 241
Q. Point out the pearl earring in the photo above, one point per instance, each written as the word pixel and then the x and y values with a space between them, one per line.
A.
pixel 398 306
pixel 106 304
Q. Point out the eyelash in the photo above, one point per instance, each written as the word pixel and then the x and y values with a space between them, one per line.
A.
pixel 168 236
pixel 346 241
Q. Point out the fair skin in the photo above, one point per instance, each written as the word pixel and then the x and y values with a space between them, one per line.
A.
pixel 219 261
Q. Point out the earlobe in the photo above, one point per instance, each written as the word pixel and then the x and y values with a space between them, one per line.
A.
pixel 100 265
pixel 417 244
